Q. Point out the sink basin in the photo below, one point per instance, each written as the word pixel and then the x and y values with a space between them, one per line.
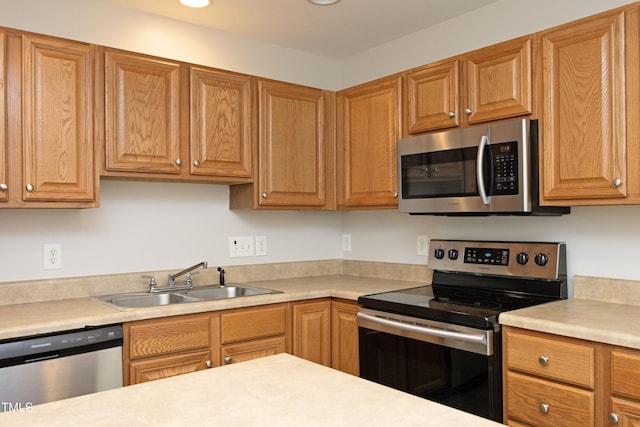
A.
pixel 198 294
pixel 148 300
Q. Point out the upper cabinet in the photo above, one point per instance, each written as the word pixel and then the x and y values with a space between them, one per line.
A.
pixel 368 125
pixel 168 120
pixel 589 102
pixel 48 160
pixel 486 84
pixel 296 154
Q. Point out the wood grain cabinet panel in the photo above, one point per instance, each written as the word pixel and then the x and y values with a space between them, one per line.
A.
pixel 142 122
pixel 168 366
pixel 4 162
pixel 253 323
pixel 312 331
pixel 344 337
pixel 487 84
pixel 57 122
pixel 583 139
pixel 253 349
pixel 368 126
pixel 220 123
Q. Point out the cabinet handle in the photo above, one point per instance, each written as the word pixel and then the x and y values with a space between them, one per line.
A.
pixel 468 111
pixel 543 360
pixel 614 418
pixel 29 188
pixel 264 195
pixel 544 408
pixel 452 114
pixel 3 186
pixel 227 359
pixel 178 162
pixel 617 182
pixel 208 363
pixel 196 163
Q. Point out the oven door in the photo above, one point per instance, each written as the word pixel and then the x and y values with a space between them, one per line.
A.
pixel 454 365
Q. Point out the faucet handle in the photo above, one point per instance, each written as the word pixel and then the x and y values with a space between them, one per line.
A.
pixel 187 280
pixel 152 281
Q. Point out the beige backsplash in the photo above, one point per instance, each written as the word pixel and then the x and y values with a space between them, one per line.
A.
pixel 608 290
pixel 80 287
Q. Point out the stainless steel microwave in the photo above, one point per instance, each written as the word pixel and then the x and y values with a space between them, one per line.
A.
pixel 489 169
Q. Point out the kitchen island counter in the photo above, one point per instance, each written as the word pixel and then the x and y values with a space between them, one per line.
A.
pixel 280 390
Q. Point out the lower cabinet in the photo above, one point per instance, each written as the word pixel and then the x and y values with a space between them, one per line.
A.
pixel 323 330
pixel 550 380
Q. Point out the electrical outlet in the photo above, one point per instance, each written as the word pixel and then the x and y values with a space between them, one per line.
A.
pixel 52 256
pixel 241 246
pixel 261 245
pixel 422 245
pixel 346 242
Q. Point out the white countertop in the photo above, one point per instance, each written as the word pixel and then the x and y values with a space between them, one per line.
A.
pixel 280 390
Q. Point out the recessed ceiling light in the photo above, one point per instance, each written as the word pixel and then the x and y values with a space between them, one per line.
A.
pixel 195 3
pixel 324 2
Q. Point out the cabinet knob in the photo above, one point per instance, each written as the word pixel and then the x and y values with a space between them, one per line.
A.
pixel 178 162
pixel 264 195
pixel 614 418
pixel 617 182
pixel 208 363
pixel 543 360
pixel 544 408
pixel 452 114
pixel 227 359
pixel 196 163
pixel 395 194
pixel 3 186
pixel 30 188
pixel 468 111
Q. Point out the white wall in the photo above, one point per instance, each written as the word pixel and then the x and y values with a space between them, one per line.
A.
pixel 146 226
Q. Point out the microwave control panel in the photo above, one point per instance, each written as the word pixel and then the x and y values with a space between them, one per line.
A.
pixel 505 168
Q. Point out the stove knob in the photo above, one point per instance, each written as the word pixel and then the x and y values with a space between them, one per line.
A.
pixel 438 253
pixel 522 258
pixel 453 254
pixel 542 259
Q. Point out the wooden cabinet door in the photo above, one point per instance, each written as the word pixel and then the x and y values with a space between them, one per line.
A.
pixel 497 81
pixel 248 350
pixel 312 331
pixel 344 337
pixel 141 371
pixel 583 103
pixel 4 162
pixel 291 145
pixel 57 121
pixel 141 113
pixel 220 123
pixel 626 412
pixel 369 123
pixel 432 96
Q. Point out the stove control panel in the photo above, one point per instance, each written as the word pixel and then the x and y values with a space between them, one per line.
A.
pixel 539 260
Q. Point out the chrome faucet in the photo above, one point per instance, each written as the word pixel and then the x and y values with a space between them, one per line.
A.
pixel 174 276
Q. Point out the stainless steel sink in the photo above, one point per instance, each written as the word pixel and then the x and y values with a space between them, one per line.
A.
pixel 197 294
pixel 147 299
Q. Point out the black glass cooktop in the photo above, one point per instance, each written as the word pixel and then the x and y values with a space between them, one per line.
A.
pixel 470 307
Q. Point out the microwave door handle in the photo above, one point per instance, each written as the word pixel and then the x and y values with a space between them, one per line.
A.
pixel 484 141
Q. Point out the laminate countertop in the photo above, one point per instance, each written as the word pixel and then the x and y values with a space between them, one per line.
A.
pixel 280 390
pixel 19 320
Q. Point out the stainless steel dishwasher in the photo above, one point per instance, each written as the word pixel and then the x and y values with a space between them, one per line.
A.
pixel 44 368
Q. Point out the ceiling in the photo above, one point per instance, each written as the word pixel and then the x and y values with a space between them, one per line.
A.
pixel 338 31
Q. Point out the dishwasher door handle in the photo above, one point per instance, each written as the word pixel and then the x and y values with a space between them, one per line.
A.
pixel 425 330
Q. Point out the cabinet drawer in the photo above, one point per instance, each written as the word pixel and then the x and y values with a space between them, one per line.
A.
pixel 567 360
pixel 241 352
pixel 625 373
pixel 168 366
pixel 253 323
pixel 567 406
pixel 153 337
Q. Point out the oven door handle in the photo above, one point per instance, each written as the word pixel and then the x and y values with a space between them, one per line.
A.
pixel 480 170
pixel 441 333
